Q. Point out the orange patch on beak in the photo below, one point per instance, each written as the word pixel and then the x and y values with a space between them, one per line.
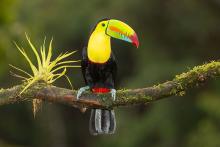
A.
pixel 115 29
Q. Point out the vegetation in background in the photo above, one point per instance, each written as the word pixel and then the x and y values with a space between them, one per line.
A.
pixel 174 36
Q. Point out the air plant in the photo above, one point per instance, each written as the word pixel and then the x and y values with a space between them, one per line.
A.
pixel 46 70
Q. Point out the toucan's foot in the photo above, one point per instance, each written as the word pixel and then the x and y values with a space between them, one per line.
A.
pixel 81 90
pixel 113 93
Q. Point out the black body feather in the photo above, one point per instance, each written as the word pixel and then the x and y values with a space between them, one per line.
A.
pixel 97 75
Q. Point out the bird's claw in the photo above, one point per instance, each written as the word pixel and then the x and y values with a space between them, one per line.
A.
pixel 113 94
pixel 80 91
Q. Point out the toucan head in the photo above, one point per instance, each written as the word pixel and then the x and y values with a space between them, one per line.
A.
pixel 118 29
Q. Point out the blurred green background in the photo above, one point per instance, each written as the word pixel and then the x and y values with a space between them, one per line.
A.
pixel 174 36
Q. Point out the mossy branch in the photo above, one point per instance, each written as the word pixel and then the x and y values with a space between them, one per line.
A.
pixel 177 86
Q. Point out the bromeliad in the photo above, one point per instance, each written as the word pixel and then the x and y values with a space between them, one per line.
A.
pixel 99 69
pixel 47 69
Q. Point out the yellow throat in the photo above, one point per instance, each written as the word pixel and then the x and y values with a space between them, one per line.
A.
pixel 99 47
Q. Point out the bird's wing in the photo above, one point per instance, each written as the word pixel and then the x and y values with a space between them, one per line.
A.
pixel 113 63
pixel 84 64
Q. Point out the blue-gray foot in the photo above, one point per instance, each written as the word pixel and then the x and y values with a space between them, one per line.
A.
pixel 81 90
pixel 113 94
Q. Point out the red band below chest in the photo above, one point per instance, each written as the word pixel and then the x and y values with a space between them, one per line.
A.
pixel 100 90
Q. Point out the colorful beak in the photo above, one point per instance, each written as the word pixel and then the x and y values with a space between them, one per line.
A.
pixel 120 30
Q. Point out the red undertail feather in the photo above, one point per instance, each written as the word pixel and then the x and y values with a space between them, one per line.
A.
pixel 100 90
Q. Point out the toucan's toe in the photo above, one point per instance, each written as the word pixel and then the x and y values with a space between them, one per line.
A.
pixel 80 91
pixel 113 94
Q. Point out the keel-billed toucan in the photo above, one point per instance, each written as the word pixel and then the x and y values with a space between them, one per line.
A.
pixel 99 69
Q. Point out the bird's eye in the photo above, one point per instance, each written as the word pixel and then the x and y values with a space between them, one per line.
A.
pixel 103 24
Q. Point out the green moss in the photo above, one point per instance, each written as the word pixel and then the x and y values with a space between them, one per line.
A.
pixel 123 97
pixel 182 93
pixel 173 91
pixel 191 77
pixel 198 70
pixel 159 86
pixel 2 90
pixel 148 98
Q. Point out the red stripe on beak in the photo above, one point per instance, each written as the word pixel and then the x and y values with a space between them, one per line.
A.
pixel 134 40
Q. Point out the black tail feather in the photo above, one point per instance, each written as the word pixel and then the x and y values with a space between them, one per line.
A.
pixel 102 121
pixel 92 129
pixel 112 127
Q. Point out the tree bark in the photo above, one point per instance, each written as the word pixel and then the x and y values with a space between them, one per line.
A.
pixel 50 93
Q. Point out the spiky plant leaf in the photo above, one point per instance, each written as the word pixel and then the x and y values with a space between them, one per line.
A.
pixel 46 70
